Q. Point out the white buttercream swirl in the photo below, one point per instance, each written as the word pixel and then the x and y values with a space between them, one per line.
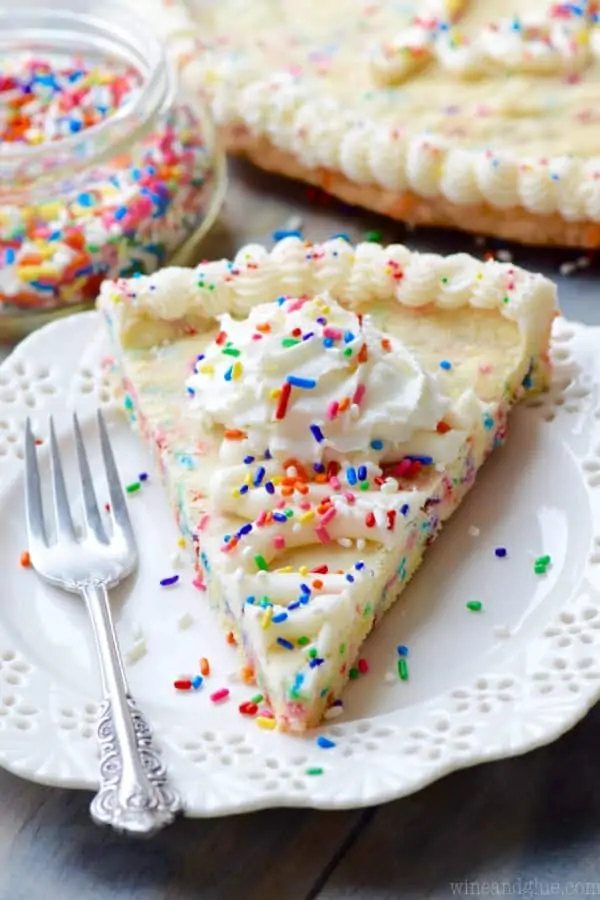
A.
pixel 239 382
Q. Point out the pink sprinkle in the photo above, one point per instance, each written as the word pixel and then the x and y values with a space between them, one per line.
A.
pixel 305 504
pixel 485 368
pixel 203 522
pixel 266 713
pixel 261 519
pixel 363 666
pixel 297 304
pixel 329 515
pixel 402 468
pixel 349 497
pixel 220 695
pixel 281 504
pixel 228 547
pixel 199 584
pixel 323 534
pixel 335 483
pixel 256 336
pixel 332 333
pixel 359 393
pixel 332 409
pixel 279 542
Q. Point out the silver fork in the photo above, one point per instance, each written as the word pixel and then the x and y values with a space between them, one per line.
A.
pixel 134 796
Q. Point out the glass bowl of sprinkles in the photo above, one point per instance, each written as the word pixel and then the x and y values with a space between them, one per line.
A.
pixel 108 167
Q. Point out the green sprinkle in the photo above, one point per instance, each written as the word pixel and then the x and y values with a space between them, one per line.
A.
pixel 543 561
pixel 353 673
pixel 303 641
pixel 132 488
pixel 475 605
pixel 403 669
pixel 364 485
pixel 348 351
pixel 444 280
pixel 342 649
pixel 505 300
pixel 288 513
pixel 289 342
pixel 314 770
pixel 258 698
pixel 373 236
pixel 540 570
pixel 264 601
pixel 312 652
pixel 231 351
pixel 211 287
pixel 128 402
pixel 261 562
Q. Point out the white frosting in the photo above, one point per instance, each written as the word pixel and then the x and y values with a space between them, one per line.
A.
pixel 388 394
pixel 355 276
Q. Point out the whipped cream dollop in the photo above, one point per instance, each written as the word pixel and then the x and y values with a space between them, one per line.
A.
pixel 310 379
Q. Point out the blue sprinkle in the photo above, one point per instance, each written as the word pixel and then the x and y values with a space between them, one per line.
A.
pixel 402 650
pixel 197 681
pixel 308 336
pixel 348 337
pixel 229 373
pixel 280 301
pixel 328 342
pixel 445 364
pixel 359 565
pixel 500 552
pixel 85 199
pixel 200 357
pixel 318 467
pixel 317 433
pixel 317 661
pixel 350 578
pixel 269 487
pixel 488 422
pixel 293 606
pixel 280 617
pixel 226 538
pixel 248 460
pixel 143 476
pixel 259 475
pixel 362 473
pixel 351 475
pixel 322 320
pixel 167 582
pixel 268 454
pixel 245 529
pixel 251 600
pixel 424 460
pixel 377 444
pixel 244 489
pixel 324 742
pixel 190 390
pixel 304 599
pixel 342 235
pixel 404 509
pixel 298 681
pixel 280 233
pixel 287 645
pixel 120 213
pixel 306 383
pixel 9 256
pixel 279 517
pixel 305 588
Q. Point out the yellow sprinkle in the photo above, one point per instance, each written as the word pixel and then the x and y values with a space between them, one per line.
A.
pixel 266 618
pixel 236 371
pixel 207 369
pixel 247 478
pixel 303 570
pixel 307 516
pixel 265 722
pixel 235 493
pixel 277 479
pixel 274 394
pixel 479 276
pixel 181 542
pixel 285 570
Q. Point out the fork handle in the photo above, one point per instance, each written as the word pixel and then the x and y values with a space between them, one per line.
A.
pixel 134 796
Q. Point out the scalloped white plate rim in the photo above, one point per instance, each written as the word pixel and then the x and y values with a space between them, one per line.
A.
pixel 550 680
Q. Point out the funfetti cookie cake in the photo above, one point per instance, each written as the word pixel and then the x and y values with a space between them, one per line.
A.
pixel 478 115
pixel 317 413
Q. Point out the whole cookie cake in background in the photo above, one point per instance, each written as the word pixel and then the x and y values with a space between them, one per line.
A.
pixel 475 115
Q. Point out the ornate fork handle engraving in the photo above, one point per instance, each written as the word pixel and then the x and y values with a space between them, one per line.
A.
pixel 134 796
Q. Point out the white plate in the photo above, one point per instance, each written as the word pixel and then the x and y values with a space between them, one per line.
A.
pixel 482 685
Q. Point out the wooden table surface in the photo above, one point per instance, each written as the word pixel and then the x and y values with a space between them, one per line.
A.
pixel 525 827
